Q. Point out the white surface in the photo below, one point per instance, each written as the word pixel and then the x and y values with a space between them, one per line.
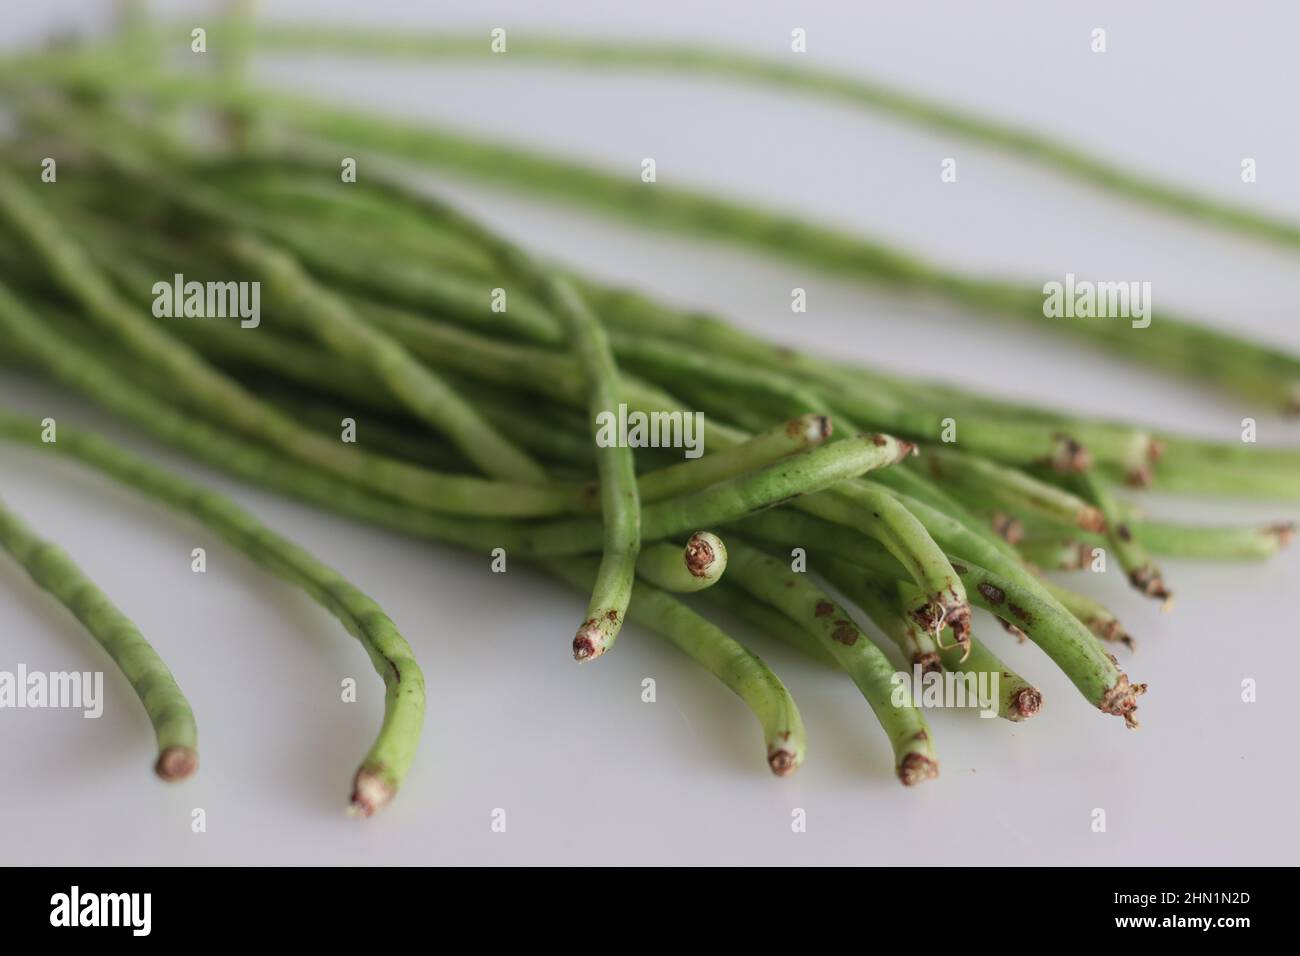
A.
pixel 586 772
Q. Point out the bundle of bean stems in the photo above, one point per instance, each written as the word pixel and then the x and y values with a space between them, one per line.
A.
pixel 827 510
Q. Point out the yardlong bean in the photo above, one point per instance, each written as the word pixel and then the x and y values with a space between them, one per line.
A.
pixel 168 709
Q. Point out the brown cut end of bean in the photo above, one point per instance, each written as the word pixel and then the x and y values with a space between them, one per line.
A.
pixel 700 556
pixel 176 763
pixel 1121 700
pixel 1026 703
pixel 589 642
pixel 1140 476
pixel 782 762
pixel 370 792
pixel 915 768
pixel 1069 455
pixel 1147 579
pixel 1284 531
pixel 1014 631
pixel 928 661
pixel 1008 527
pixel 1091 519
pixel 1111 630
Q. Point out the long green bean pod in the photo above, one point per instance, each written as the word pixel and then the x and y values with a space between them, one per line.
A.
pixel 169 712
pixel 856 91
pixel 620 501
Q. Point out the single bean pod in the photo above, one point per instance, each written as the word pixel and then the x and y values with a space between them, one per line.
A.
pixel 164 702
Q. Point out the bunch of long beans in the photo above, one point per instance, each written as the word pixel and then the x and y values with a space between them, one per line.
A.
pixel 475 426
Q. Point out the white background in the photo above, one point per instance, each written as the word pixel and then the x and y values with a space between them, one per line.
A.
pixel 585 771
